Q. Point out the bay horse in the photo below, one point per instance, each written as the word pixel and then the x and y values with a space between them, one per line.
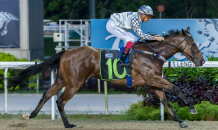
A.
pixel 75 66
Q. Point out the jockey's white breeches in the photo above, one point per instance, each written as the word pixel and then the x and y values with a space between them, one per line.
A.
pixel 120 33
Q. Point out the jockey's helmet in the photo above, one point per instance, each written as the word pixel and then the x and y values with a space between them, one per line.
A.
pixel 145 9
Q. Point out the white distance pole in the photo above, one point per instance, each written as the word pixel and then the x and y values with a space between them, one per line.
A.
pixel 106 97
pixel 52 98
pixel 162 107
pixel 6 90
pixel 99 86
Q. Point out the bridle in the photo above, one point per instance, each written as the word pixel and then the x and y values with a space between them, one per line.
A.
pixel 182 51
pixel 190 46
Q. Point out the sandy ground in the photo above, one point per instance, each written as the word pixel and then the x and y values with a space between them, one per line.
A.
pixel 38 124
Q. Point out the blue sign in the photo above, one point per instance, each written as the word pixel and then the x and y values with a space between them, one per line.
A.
pixel 204 32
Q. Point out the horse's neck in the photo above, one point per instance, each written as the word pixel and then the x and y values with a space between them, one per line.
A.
pixel 166 50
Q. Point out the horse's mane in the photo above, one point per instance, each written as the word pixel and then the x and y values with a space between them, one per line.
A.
pixel 171 32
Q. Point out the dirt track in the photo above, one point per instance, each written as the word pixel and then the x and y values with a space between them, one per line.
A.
pixel 36 124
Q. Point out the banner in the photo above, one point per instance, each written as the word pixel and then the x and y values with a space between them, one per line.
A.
pixel 9 24
pixel 204 32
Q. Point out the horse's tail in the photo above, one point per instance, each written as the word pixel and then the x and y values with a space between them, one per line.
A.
pixel 52 62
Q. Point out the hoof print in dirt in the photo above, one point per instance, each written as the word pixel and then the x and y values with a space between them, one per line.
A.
pixel 22 125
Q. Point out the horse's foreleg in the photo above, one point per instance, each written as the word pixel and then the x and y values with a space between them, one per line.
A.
pixel 160 94
pixel 54 89
pixel 192 109
pixel 160 82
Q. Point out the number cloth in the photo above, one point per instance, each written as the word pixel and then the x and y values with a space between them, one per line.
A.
pixel 108 65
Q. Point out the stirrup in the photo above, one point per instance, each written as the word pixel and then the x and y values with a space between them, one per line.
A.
pixel 125 65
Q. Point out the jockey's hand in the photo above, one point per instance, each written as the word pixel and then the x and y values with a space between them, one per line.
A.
pixel 157 35
pixel 159 38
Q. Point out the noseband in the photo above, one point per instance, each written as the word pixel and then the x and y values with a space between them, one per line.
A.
pixel 190 46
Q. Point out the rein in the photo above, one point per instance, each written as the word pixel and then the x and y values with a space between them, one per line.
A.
pixel 187 43
pixel 162 58
pixel 152 54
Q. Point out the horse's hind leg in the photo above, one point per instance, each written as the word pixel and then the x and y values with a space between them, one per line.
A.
pixel 54 89
pixel 71 87
pixel 61 101
pixel 160 94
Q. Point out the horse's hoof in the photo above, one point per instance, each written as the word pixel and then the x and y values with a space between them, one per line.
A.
pixel 183 125
pixel 193 111
pixel 70 126
pixel 25 116
pixel 73 126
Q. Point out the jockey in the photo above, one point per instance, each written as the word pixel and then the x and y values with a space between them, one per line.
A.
pixel 120 23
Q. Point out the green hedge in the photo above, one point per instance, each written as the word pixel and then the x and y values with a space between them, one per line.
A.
pixel 11 72
pixel 205 110
pixel 209 73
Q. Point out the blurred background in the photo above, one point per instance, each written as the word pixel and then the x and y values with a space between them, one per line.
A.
pixel 27 30
pixel 30 30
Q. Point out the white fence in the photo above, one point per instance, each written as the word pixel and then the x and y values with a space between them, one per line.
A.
pixel 12 65
pixel 82 28
pixel 23 65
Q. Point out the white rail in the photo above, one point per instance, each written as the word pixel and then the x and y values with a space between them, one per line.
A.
pixel 12 65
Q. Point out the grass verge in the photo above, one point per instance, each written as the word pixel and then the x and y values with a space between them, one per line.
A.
pixel 112 117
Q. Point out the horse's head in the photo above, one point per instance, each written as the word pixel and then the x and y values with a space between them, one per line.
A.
pixel 190 49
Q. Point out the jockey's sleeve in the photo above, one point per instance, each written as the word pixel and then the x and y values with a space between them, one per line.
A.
pixel 137 28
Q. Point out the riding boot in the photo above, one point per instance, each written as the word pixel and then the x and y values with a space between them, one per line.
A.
pixel 121 62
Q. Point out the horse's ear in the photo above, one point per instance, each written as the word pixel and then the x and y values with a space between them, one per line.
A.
pixel 183 32
pixel 188 29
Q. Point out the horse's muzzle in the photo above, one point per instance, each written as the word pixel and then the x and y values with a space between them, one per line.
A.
pixel 202 62
pixel 199 63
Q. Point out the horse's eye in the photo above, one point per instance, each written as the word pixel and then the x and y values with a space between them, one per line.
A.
pixel 193 44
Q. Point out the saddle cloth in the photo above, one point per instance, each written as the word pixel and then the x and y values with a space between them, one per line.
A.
pixel 108 65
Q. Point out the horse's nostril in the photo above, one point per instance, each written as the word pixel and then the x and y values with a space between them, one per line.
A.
pixel 203 61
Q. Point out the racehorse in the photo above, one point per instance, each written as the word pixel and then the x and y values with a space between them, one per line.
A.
pixel 75 66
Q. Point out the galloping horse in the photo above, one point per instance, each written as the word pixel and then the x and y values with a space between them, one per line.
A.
pixel 75 66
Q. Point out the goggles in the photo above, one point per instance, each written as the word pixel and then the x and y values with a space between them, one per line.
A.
pixel 148 16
